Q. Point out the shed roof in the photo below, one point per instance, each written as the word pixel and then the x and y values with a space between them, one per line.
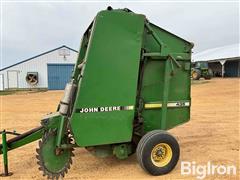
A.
pixel 224 52
pixel 64 46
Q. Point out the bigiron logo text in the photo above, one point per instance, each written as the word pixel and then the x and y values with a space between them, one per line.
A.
pixel 202 171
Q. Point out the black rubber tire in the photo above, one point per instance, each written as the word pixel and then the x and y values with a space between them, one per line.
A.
pixel 209 75
pixel 198 74
pixel 148 142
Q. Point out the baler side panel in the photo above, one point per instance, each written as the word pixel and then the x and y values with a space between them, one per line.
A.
pixel 179 82
pixel 174 43
pixel 109 79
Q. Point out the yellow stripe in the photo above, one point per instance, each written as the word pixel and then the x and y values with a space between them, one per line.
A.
pixel 130 107
pixel 150 106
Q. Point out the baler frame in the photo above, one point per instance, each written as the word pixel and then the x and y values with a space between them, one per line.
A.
pixel 29 137
pixel 61 122
pixel 18 141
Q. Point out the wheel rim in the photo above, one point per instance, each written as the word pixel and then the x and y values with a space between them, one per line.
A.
pixel 194 75
pixel 161 154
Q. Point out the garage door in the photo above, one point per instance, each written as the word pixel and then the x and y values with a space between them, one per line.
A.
pixel 59 75
pixel 232 68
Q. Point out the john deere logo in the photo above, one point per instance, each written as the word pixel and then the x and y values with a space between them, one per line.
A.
pixel 104 109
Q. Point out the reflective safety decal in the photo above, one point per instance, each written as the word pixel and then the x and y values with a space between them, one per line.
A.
pixel 170 104
pixel 178 104
pixel 104 109
pixel 152 106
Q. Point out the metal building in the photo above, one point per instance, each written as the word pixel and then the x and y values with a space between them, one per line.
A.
pixel 51 70
pixel 224 61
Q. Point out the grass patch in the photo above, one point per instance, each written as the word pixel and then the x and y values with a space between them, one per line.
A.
pixel 16 91
pixel 3 93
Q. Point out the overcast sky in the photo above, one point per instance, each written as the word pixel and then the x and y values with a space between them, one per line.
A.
pixel 29 29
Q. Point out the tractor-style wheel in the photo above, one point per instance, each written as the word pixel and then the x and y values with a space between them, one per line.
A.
pixel 196 74
pixel 209 74
pixel 158 152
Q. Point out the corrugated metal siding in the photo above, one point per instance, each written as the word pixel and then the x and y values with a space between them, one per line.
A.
pixel 39 64
pixel 59 75
pixel 1 82
pixel 232 68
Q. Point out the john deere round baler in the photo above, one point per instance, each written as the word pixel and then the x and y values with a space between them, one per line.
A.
pixel 130 84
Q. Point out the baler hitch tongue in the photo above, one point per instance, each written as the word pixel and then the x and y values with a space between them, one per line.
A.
pixel 15 142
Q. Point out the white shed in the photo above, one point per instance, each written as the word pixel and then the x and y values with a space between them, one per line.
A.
pixel 224 61
pixel 51 70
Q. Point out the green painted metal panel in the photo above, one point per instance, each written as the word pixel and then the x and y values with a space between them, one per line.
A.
pixel 111 48
pixel 109 79
pixel 33 136
pixel 173 44
pixel 154 80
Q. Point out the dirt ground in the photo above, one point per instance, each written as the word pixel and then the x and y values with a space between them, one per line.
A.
pixel 212 134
